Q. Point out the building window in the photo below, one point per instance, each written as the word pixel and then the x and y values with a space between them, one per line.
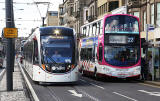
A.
pixel 136 14
pixel 105 7
pixel 123 2
pixel 93 11
pixel 86 14
pixel 102 10
pixel 113 5
pixel 53 13
pixel 98 11
pixel 144 20
pixel 152 14
pixel 71 11
pixel 158 14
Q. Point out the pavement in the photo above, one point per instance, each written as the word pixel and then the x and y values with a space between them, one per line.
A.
pixel 155 83
pixel 19 92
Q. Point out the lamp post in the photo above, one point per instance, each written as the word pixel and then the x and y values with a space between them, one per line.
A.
pixel 126 6
pixel 43 17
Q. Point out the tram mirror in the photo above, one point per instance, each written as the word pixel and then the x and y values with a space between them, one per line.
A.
pixel 36 60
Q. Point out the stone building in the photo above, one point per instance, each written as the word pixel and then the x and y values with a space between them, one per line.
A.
pixel 52 18
pixel 106 6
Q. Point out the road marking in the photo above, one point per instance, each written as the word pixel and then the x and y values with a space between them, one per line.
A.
pixel 94 84
pixel 75 93
pixel 150 93
pixel 97 86
pixel 83 80
pixel 88 95
pixel 125 96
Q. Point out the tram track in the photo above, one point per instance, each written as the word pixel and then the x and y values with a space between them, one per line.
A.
pixel 53 95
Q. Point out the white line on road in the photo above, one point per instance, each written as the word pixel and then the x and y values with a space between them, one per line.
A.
pixel 88 95
pixel 74 93
pixel 150 93
pixel 94 84
pixel 83 80
pixel 125 96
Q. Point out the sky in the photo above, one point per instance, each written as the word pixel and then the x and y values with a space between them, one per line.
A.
pixel 27 14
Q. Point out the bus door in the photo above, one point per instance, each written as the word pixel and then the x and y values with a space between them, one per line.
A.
pixel 93 59
pixel 100 56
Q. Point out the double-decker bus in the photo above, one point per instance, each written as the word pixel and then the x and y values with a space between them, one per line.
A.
pixel 50 55
pixel 110 47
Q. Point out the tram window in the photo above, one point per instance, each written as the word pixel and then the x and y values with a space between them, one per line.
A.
pixel 30 52
pixel 35 56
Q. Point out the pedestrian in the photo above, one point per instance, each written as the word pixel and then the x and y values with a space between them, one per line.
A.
pixel 150 68
pixel 142 67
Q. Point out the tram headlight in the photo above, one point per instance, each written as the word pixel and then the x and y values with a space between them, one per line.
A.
pixel 69 67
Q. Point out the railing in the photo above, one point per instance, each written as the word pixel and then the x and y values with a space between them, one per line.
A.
pixel 91 18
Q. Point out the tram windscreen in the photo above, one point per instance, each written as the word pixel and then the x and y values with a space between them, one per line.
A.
pixel 57 49
pixel 121 55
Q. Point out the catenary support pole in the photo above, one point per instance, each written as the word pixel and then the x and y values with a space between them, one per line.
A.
pixel 10 45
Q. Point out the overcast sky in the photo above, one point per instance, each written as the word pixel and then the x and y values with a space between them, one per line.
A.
pixel 30 16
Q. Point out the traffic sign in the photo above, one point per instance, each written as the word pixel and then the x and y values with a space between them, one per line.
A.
pixel 10 32
pixel 150 27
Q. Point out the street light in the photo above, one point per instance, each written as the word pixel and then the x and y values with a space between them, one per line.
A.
pixel 42 17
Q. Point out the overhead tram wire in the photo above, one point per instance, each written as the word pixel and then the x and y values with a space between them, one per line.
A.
pixel 48 3
pixel 23 20
pixel 21 3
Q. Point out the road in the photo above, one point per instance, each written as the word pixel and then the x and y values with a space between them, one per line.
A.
pixel 1 70
pixel 88 89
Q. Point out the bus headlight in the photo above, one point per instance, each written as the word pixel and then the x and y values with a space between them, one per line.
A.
pixel 108 70
pixel 137 70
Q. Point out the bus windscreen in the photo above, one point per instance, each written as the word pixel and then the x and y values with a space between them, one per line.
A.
pixel 121 24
